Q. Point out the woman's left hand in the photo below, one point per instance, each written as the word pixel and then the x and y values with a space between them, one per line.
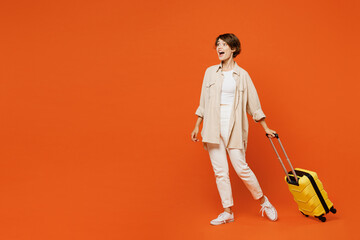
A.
pixel 270 132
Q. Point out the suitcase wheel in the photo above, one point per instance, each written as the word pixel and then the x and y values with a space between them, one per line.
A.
pixel 321 218
pixel 304 214
pixel 333 210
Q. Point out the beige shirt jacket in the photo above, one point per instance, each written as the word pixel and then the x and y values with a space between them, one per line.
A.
pixel 246 101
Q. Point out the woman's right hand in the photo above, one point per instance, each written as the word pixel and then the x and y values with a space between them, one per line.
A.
pixel 194 134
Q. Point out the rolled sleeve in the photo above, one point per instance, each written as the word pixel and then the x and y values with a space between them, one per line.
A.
pixel 200 111
pixel 253 106
pixel 258 115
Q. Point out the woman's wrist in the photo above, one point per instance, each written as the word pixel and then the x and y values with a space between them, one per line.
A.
pixel 263 124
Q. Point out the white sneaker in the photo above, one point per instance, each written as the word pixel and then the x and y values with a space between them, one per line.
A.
pixel 269 209
pixel 223 217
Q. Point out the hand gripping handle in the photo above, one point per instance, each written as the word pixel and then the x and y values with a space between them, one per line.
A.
pixel 282 164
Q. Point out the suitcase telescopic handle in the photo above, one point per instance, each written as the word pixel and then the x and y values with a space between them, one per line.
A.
pixel 282 164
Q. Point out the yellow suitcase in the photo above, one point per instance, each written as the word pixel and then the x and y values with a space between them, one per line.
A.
pixel 307 189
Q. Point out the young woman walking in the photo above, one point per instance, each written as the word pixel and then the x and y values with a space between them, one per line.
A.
pixel 227 94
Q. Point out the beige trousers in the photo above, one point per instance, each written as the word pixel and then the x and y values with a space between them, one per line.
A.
pixel 217 153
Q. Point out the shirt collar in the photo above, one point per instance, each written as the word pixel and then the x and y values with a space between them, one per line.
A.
pixel 236 68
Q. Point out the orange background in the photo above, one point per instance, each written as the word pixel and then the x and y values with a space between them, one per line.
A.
pixel 98 101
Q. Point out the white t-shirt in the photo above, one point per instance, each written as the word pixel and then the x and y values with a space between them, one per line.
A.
pixel 228 88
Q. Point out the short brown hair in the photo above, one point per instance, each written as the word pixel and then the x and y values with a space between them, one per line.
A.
pixel 232 41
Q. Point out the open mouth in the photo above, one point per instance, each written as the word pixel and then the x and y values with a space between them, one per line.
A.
pixel 221 54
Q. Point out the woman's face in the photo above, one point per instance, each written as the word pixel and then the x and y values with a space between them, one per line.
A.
pixel 223 50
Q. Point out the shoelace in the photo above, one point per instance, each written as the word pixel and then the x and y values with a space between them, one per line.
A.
pixel 221 215
pixel 263 207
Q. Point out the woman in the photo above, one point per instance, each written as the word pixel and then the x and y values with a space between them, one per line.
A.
pixel 227 94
